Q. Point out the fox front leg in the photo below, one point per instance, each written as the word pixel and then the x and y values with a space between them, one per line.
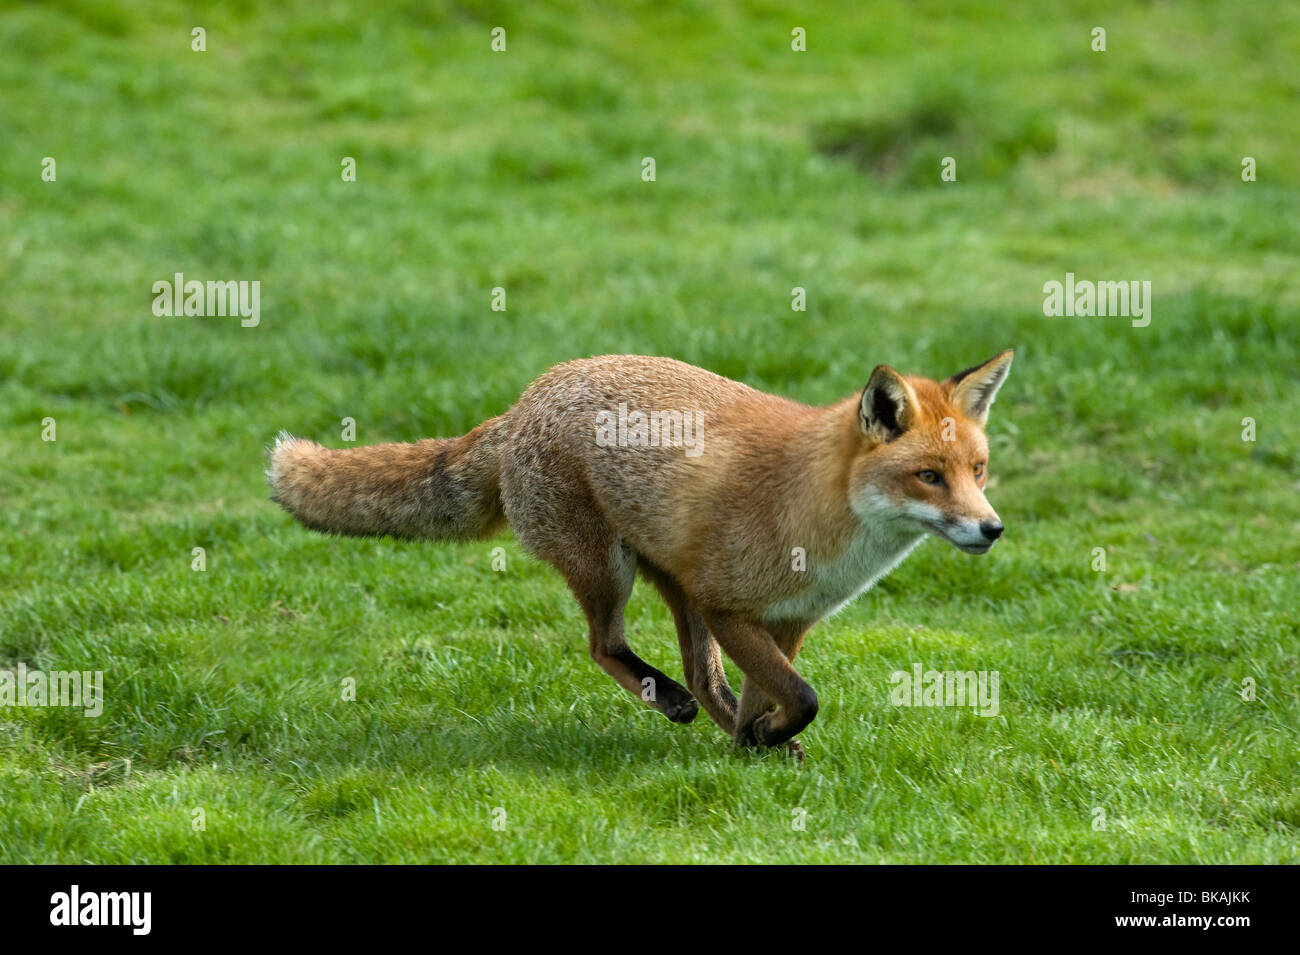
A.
pixel 754 704
pixel 776 702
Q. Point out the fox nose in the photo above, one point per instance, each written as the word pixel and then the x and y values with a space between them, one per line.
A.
pixel 991 529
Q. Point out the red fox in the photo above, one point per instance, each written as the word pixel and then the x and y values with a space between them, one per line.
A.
pixel 754 516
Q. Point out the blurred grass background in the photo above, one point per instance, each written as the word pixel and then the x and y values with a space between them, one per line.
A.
pixel 522 169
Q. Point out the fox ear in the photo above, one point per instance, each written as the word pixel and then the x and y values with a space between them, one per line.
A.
pixel 974 389
pixel 888 405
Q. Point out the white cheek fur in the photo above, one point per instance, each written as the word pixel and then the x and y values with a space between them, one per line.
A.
pixel 874 505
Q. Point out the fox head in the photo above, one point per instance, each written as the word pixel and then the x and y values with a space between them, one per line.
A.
pixel 923 457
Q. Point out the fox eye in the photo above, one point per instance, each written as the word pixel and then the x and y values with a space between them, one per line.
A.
pixel 928 477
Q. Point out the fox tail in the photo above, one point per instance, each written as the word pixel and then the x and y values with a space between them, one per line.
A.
pixel 435 489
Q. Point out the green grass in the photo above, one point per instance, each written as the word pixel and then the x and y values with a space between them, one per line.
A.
pixel 1120 691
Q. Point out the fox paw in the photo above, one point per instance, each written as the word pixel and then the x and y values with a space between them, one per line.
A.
pixel 753 737
pixel 681 711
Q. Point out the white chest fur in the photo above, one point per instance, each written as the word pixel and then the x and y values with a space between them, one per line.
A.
pixel 830 585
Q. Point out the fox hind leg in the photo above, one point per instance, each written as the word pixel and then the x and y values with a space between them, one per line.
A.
pixel 556 518
pixel 701 655
pixel 603 586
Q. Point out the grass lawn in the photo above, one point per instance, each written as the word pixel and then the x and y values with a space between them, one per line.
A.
pixel 480 730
